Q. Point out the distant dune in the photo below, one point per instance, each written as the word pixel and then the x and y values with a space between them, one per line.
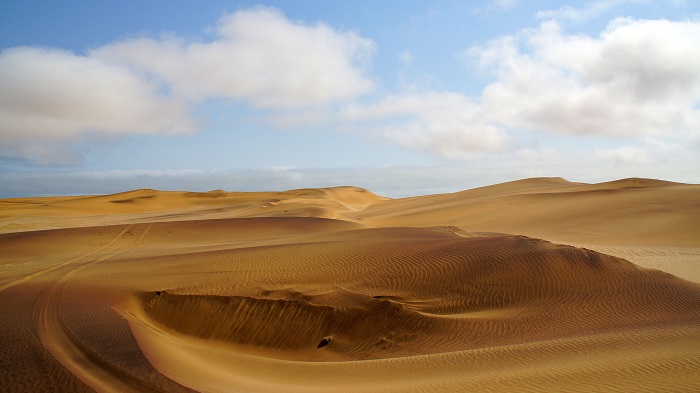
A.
pixel 533 285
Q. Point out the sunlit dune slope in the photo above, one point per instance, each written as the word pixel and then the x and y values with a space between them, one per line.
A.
pixel 23 214
pixel 632 211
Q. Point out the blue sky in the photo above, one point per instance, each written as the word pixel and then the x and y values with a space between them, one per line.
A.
pixel 403 98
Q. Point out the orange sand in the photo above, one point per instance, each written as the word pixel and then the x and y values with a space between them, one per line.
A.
pixel 533 285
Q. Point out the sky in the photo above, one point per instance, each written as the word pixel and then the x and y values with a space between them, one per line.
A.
pixel 400 97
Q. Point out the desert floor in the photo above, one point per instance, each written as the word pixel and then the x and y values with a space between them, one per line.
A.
pixel 533 285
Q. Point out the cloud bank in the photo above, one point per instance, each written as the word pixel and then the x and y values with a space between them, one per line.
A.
pixel 636 79
pixel 639 77
pixel 53 99
pixel 50 95
pixel 258 56
pixel 447 124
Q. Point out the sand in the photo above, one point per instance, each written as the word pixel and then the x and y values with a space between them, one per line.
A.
pixel 533 285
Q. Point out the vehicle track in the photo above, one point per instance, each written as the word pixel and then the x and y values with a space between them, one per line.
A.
pixel 81 361
pixel 60 265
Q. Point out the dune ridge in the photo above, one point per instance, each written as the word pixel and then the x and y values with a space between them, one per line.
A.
pixel 537 284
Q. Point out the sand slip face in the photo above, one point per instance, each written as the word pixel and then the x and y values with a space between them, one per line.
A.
pixel 342 290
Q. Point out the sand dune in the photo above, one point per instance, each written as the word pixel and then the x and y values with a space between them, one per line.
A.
pixel 631 212
pixel 533 285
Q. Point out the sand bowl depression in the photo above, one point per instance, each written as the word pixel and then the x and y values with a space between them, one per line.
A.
pixel 418 292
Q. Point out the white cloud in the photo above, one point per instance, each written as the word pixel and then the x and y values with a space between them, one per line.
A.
pixel 652 151
pixel 258 56
pixel 50 95
pixel 639 77
pixel 448 124
pixel 624 155
pixel 53 100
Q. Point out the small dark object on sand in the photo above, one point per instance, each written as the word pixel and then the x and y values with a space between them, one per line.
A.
pixel 325 341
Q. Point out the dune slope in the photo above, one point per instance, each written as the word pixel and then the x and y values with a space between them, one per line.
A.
pixel 405 292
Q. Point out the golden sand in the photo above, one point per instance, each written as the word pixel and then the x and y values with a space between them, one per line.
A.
pixel 533 285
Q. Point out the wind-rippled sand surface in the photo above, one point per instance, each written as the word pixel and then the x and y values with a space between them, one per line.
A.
pixel 534 285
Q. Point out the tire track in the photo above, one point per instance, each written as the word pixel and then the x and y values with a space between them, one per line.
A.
pixel 85 364
pixel 60 265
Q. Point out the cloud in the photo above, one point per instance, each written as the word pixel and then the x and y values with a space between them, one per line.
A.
pixel 652 151
pixel 50 95
pixel 636 79
pixel 639 77
pixel 445 123
pixel 53 100
pixel 624 154
pixel 258 56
